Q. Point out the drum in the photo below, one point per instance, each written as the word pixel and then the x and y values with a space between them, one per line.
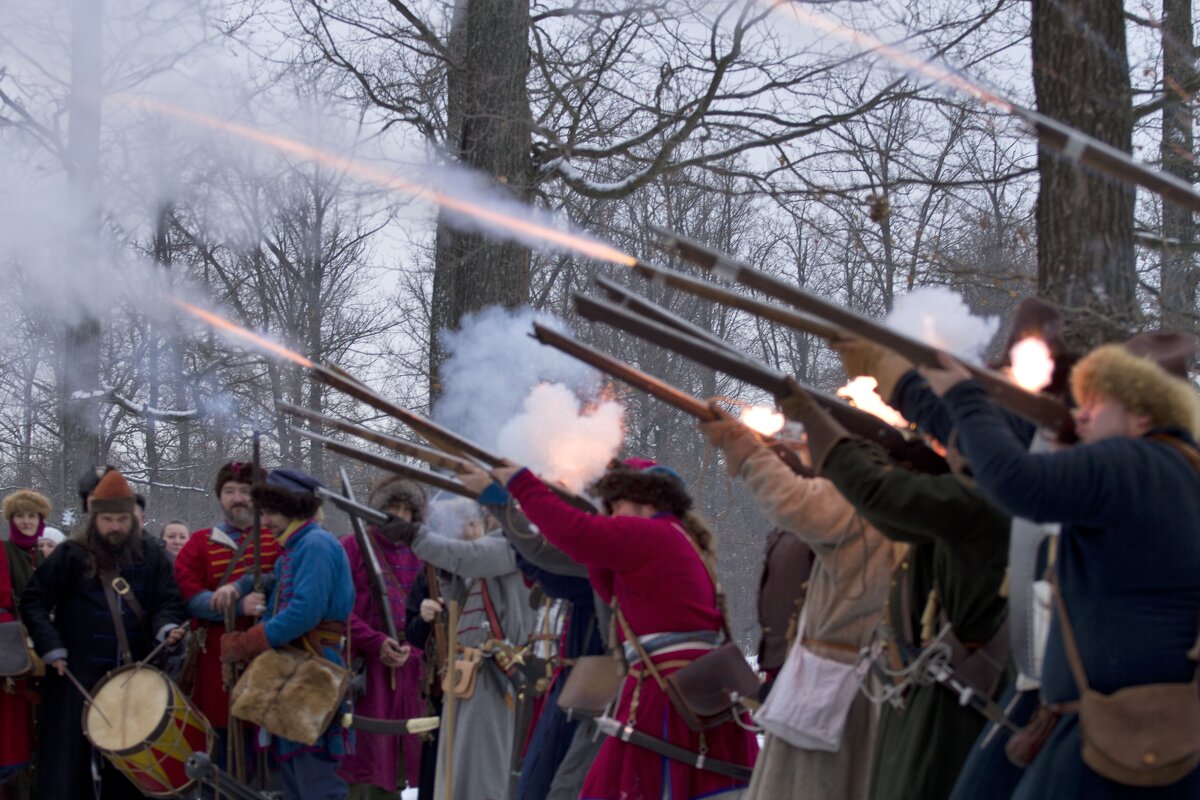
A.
pixel 147 728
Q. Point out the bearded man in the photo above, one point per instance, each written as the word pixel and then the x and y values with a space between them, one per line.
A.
pixel 70 606
pixel 212 558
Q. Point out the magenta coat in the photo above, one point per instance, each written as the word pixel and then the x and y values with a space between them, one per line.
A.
pixel 376 757
pixel 662 586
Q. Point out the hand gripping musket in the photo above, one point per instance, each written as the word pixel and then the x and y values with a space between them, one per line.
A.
pixel 654 387
pixel 856 421
pixel 389 464
pixel 374 566
pixel 1040 409
pixel 435 458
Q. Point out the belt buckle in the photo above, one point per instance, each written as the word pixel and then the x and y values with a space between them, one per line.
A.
pixel 120 585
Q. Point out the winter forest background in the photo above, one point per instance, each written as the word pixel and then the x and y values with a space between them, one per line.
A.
pixel 737 124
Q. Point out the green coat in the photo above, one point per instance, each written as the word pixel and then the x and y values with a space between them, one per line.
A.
pixel 20 568
pixel 959 543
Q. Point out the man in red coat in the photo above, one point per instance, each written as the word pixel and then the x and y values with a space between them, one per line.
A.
pixel 212 558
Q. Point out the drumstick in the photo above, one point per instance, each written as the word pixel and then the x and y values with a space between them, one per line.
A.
pixel 138 665
pixel 90 700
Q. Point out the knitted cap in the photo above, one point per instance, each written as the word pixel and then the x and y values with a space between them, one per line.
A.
pixel 112 495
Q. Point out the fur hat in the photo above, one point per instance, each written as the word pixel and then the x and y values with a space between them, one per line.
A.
pixel 112 495
pixel 1139 384
pixel 26 500
pixel 237 471
pixel 632 480
pixel 289 492
pixel 395 489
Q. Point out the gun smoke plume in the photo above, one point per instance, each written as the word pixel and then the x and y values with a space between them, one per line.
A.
pixel 939 317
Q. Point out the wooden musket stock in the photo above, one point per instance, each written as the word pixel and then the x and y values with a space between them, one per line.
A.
pixel 856 421
pixel 1042 410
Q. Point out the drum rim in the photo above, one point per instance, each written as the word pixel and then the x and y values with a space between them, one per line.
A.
pixel 159 728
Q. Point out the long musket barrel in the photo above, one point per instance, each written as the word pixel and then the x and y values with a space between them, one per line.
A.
pixel 651 386
pixel 710 291
pixel 429 430
pixel 435 458
pixel 858 422
pixel 389 464
pixel 256 478
pixel 353 508
pixel 1044 411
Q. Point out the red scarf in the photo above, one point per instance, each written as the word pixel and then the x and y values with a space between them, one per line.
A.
pixel 21 540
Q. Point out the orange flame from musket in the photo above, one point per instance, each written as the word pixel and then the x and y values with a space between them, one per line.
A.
pixel 242 334
pixel 763 419
pixel 862 395
pixel 1032 365
pixel 580 244
pixel 904 59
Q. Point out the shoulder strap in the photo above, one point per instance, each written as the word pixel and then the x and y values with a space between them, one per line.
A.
pixel 1183 448
pixel 242 547
pixel 109 582
pixel 632 638
pixel 490 610
pixel 1068 634
pixel 712 576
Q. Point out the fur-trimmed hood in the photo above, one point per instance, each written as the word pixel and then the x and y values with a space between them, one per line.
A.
pixel 1140 385
pixel 395 489
pixel 24 500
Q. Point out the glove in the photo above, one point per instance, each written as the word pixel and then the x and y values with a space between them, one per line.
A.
pixel 824 432
pixel 399 530
pixel 243 646
pixel 735 439
pixel 860 357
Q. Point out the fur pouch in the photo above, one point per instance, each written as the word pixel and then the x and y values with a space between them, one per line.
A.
pixel 292 694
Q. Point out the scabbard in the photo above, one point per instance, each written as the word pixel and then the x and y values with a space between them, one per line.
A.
pixel 627 733
pixel 390 726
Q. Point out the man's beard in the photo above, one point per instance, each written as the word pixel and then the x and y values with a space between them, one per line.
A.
pixel 240 516
pixel 109 556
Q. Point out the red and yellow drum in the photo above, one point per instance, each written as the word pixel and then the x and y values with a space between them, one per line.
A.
pixel 147 728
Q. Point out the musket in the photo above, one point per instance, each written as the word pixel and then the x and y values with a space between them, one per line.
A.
pixel 1040 409
pixel 654 387
pixel 389 464
pixel 438 436
pixel 379 592
pixel 435 458
pixel 435 666
pixel 710 291
pixel 256 479
pixel 856 421
pixel 450 715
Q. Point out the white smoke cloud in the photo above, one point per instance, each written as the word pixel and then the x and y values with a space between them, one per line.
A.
pixel 559 439
pixel 493 364
pixel 939 317
pixel 449 516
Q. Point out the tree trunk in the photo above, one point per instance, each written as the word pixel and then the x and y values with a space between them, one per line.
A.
pixel 81 354
pixel 1180 277
pixel 1085 221
pixel 488 129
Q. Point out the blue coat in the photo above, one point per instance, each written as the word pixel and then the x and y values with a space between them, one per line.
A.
pixel 1128 567
pixel 312 584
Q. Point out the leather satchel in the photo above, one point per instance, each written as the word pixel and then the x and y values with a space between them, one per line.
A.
pixel 1145 735
pixel 17 657
pixel 707 691
pixel 466 672
pixel 592 684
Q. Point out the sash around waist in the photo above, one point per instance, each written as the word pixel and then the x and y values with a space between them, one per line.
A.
pixel 663 643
